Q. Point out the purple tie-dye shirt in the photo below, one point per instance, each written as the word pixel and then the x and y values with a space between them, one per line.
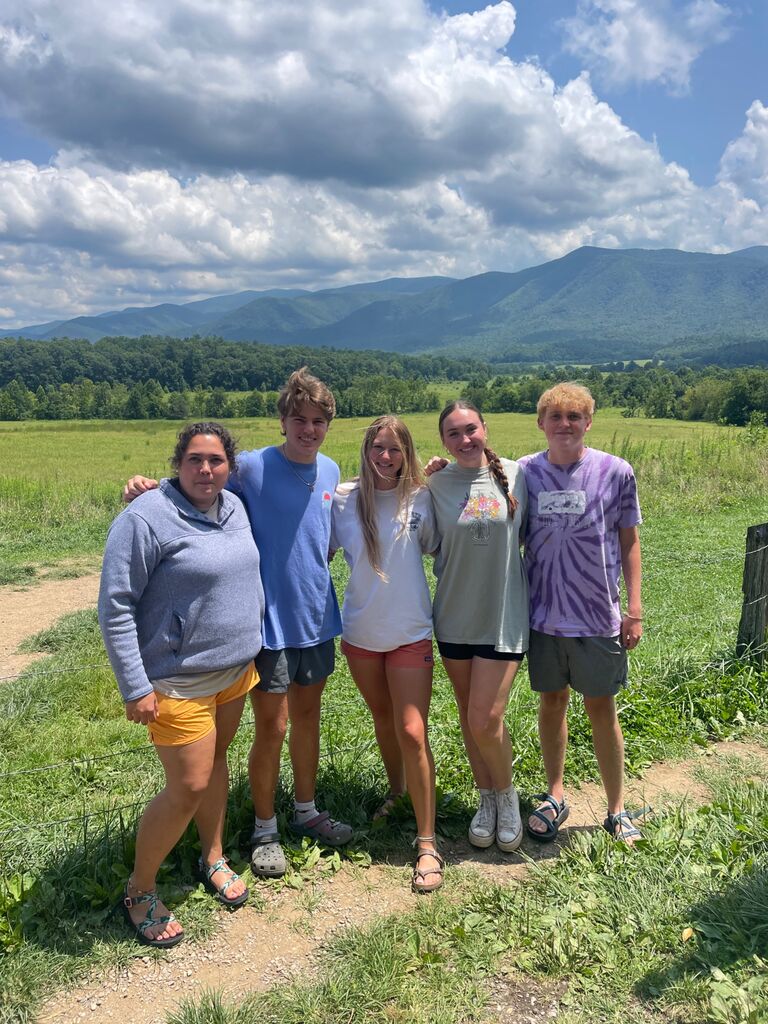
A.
pixel 572 548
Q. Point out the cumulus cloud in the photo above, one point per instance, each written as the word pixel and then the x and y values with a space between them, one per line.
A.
pixel 635 41
pixel 210 147
pixel 745 161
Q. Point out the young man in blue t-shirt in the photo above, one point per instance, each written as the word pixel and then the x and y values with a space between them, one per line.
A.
pixel 288 492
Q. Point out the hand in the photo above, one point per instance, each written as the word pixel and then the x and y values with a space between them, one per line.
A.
pixel 142 711
pixel 631 631
pixel 435 464
pixel 137 485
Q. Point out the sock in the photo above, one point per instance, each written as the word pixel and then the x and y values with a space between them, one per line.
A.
pixel 485 792
pixel 304 811
pixel 263 825
pixel 509 790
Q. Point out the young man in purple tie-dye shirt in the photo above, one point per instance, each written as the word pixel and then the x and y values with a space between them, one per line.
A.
pixel 581 537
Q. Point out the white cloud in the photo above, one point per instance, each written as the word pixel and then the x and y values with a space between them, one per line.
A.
pixel 212 147
pixel 745 161
pixel 628 41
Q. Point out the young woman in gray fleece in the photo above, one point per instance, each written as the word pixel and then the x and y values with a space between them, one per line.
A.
pixel 180 610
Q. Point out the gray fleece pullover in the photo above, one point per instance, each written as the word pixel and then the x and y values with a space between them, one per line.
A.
pixel 179 593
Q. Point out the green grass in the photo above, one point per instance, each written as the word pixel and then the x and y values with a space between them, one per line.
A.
pixel 676 930
pixel 66 834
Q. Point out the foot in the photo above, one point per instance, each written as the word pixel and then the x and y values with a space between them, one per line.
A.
pixel 267 857
pixel 509 827
pixel 389 802
pixel 548 816
pixel 324 829
pixel 219 878
pixel 152 921
pixel 482 828
pixel 619 825
pixel 427 871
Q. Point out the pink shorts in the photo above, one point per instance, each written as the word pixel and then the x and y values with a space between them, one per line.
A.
pixel 408 656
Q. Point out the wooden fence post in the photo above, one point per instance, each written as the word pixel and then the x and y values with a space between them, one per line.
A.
pixel 751 641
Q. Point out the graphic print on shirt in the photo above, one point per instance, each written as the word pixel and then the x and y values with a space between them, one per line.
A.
pixel 414 521
pixel 478 511
pixel 562 503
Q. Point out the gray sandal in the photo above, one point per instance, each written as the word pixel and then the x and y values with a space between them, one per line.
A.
pixel 267 857
pixel 551 825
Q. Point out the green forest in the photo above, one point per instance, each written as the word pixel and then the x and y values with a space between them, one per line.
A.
pixel 171 378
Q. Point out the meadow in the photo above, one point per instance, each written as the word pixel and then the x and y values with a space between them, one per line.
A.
pixel 66 830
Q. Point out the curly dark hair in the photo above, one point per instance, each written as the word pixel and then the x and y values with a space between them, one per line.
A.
pixel 228 442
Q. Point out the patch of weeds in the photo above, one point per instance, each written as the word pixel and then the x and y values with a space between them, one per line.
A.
pixel 17 575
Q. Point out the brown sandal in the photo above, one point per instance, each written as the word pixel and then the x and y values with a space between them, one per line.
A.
pixel 419 874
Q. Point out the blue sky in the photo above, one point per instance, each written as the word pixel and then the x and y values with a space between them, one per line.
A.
pixel 153 153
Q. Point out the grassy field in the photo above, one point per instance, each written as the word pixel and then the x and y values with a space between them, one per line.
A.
pixel 66 831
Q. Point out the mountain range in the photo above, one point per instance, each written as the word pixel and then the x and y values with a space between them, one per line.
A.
pixel 589 306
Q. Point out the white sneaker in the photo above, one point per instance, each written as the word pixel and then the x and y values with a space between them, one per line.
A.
pixel 482 828
pixel 509 827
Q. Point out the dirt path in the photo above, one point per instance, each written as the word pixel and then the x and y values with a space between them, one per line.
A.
pixel 25 612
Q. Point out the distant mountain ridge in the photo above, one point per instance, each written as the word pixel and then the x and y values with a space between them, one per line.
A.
pixel 589 306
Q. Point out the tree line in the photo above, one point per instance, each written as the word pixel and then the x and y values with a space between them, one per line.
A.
pixel 718 395
pixel 186 364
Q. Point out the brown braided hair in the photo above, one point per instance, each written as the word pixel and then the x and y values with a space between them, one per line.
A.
pixel 494 462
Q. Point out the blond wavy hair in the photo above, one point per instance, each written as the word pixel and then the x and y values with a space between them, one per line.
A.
pixel 410 479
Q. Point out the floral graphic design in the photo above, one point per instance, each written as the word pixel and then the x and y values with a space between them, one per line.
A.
pixel 478 510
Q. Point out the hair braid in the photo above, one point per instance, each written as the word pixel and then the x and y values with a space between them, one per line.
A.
pixel 495 466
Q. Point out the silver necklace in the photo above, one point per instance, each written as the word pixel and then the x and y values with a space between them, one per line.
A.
pixel 307 483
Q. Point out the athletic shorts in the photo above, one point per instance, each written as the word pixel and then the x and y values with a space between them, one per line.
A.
pixel 408 656
pixel 465 652
pixel 595 666
pixel 183 720
pixel 303 665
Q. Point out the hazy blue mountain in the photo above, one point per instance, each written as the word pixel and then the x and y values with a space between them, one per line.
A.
pixel 589 306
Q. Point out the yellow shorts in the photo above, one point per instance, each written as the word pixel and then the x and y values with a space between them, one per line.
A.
pixel 183 720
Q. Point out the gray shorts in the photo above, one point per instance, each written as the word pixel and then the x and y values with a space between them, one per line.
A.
pixel 305 666
pixel 595 666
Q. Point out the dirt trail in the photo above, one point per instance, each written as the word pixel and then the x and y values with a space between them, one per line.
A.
pixel 24 612
pixel 278 940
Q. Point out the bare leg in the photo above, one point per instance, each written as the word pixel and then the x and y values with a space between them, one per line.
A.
pixel 553 738
pixel 411 692
pixel 609 748
pixel 212 808
pixel 460 674
pixel 371 681
pixel 187 773
pixel 304 741
pixel 271 715
pixel 489 691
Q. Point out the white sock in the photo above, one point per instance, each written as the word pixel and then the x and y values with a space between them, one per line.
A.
pixel 485 792
pixel 304 811
pixel 261 826
pixel 509 790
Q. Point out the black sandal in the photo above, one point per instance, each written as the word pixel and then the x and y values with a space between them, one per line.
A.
pixel 552 825
pixel 622 820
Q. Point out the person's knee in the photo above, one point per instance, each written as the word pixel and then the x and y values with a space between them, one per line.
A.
pixel 601 710
pixel 554 702
pixel 270 729
pixel 188 791
pixel 413 736
pixel 485 725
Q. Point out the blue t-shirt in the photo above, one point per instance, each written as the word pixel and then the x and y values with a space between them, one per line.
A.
pixel 291 525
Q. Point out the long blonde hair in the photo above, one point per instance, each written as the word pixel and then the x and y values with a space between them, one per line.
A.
pixel 410 478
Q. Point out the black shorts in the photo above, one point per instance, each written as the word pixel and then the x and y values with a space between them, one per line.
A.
pixel 465 652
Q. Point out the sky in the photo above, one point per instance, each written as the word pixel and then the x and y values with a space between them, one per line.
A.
pixel 166 152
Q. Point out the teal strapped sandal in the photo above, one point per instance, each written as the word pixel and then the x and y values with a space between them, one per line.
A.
pixel 149 921
pixel 207 872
